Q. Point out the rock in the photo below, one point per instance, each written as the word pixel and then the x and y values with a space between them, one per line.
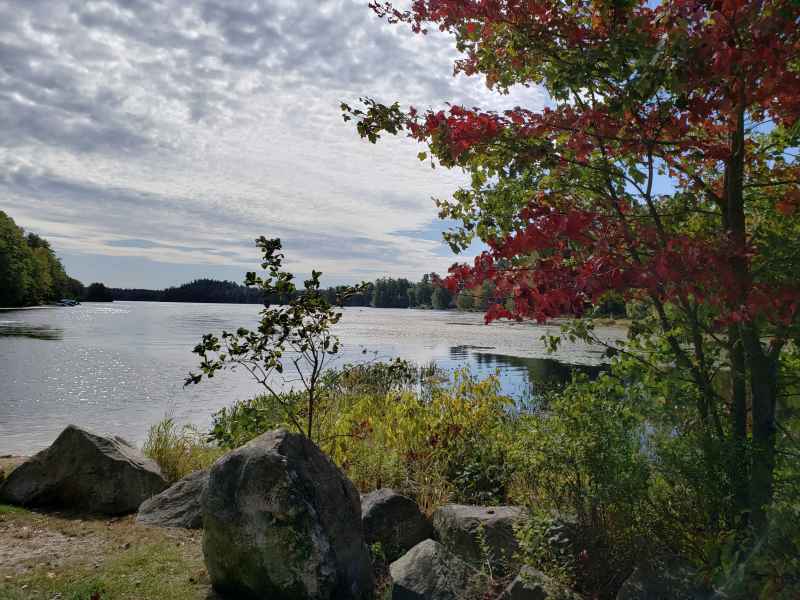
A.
pixel 281 521
pixel 85 471
pixel 429 571
pixel 178 506
pixel 532 584
pixel 665 579
pixel 394 521
pixel 467 530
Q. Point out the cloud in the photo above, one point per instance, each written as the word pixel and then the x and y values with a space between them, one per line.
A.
pixel 177 132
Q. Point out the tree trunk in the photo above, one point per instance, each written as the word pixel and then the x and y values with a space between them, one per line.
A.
pixel 764 391
pixel 739 468
pixel 761 368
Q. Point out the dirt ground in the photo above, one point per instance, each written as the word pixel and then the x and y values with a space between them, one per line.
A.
pixel 68 556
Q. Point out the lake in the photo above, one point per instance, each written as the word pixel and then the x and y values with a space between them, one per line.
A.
pixel 118 368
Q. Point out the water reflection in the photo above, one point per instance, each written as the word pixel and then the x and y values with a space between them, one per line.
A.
pixel 22 329
pixel 532 376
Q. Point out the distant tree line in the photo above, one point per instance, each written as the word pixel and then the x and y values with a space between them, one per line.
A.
pixel 402 293
pixel 199 290
pixel 386 292
pixel 30 272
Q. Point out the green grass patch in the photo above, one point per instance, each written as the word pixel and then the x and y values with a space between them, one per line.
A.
pixel 148 571
pixel 7 509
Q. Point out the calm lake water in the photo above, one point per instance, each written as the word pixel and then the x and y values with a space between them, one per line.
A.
pixel 118 368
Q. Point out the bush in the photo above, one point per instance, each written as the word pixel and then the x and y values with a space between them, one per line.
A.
pixel 178 451
pixel 612 479
pixel 766 567
pixel 584 461
pixel 431 446
pixel 247 419
pixel 238 424
pixel 395 424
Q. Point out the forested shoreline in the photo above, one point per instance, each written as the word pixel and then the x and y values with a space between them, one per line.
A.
pixel 385 292
pixel 30 272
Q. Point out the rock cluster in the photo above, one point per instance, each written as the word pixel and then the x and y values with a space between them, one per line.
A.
pixel 281 522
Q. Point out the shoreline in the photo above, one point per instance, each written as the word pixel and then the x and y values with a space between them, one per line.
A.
pixel 16 308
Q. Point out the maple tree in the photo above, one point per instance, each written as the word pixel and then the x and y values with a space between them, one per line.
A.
pixel 664 169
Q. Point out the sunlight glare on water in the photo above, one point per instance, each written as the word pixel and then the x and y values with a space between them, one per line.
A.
pixel 118 368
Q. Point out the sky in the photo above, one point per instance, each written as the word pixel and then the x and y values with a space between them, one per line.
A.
pixel 151 141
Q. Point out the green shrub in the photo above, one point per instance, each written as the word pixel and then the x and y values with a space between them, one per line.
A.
pixel 178 450
pixel 766 567
pixel 399 425
pixel 429 445
pixel 236 425
pixel 584 462
pixel 338 389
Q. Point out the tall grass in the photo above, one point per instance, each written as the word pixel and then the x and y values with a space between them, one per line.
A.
pixel 179 450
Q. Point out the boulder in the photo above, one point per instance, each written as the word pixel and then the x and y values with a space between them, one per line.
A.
pixel 394 521
pixel 664 579
pixel 429 571
pixel 281 521
pixel 480 534
pixel 85 471
pixel 178 506
pixel 532 584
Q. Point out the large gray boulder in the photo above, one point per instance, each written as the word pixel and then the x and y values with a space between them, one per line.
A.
pixel 85 471
pixel 180 505
pixel 480 534
pixel 429 571
pixel 394 521
pixel 281 521
pixel 532 584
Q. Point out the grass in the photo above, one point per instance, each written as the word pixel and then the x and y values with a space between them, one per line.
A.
pixel 157 570
pixel 69 557
pixel 8 464
pixel 6 509
pixel 179 450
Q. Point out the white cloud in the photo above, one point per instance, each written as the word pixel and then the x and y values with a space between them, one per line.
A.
pixel 191 128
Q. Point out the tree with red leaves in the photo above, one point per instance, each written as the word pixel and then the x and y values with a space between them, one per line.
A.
pixel 664 169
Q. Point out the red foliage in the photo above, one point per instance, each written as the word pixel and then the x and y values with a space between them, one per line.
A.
pixel 566 253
